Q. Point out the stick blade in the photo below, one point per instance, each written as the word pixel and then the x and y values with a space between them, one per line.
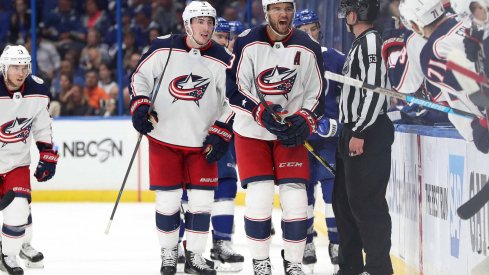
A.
pixel 472 206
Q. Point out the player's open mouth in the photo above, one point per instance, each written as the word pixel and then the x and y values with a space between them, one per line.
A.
pixel 283 23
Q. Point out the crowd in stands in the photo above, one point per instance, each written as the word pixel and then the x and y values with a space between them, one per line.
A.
pixel 77 44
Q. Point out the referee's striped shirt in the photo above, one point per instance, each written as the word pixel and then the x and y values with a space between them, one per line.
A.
pixel 360 107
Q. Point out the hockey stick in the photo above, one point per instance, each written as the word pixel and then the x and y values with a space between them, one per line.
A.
pixel 468 79
pixel 7 199
pixel 472 206
pixel 392 93
pixel 136 148
pixel 279 119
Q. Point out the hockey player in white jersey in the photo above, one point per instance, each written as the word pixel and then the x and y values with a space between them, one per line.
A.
pixel 24 100
pixel 190 131
pixel 444 33
pixel 283 66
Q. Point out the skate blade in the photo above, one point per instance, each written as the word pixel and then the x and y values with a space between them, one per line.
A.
pixel 180 268
pixel 308 268
pixel 30 264
pixel 227 267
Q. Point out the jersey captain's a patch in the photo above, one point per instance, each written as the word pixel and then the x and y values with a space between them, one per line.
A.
pixel 17 130
pixel 276 81
pixel 189 88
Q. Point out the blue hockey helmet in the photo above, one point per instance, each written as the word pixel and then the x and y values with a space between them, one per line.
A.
pixel 223 25
pixel 305 17
pixel 237 27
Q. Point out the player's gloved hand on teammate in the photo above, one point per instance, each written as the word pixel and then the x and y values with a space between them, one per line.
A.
pixel 473 43
pixel 48 158
pixel 327 127
pixel 140 117
pixel 300 126
pixel 480 134
pixel 266 119
pixel 217 141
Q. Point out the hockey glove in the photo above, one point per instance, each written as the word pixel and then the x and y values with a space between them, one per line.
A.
pixel 266 119
pixel 327 127
pixel 140 117
pixel 473 43
pixel 300 125
pixel 480 134
pixel 217 141
pixel 46 168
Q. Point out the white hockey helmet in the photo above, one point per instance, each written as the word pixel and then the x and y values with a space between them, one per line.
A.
pixel 463 9
pixel 14 55
pixel 265 3
pixel 198 9
pixel 421 12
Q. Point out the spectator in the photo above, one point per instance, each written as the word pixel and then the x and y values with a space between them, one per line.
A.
pixel 153 34
pixel 106 82
pixel 143 23
pixel 163 14
pixel 47 57
pixel 131 66
pixel 111 36
pixel 95 17
pixel 4 24
pixel 76 103
pixel 66 68
pixel 66 83
pixel 64 26
pixel 20 23
pixel 94 41
pixel 128 47
pixel 231 13
pixel 178 26
pixel 95 95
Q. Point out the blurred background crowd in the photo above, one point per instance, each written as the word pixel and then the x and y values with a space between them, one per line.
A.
pixel 76 42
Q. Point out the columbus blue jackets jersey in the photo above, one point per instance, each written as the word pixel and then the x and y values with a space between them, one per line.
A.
pixel 404 71
pixel 289 73
pixel 24 117
pixel 447 37
pixel 192 95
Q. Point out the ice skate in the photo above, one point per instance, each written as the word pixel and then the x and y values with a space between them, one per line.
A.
pixel 169 261
pixel 32 258
pixel 196 264
pixel 333 255
pixel 262 267
pixel 225 258
pixel 10 265
pixel 309 259
pixel 292 268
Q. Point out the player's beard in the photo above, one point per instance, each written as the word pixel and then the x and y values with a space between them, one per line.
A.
pixel 15 84
pixel 279 29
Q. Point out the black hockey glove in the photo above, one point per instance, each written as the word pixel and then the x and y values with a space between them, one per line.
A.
pixel 300 126
pixel 48 158
pixel 473 43
pixel 217 141
pixel 480 134
pixel 266 119
pixel 140 117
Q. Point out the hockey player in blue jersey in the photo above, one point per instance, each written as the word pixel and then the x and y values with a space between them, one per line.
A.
pixel 236 28
pixel 324 142
pixel 222 215
pixel 24 101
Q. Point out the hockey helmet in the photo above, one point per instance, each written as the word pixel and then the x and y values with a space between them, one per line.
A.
pixel 367 10
pixel 14 55
pixel 265 3
pixel 198 9
pixel 421 12
pixel 236 27
pixel 305 17
pixel 222 25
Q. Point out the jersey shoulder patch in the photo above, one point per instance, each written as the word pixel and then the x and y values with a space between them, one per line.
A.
pixel 244 33
pixel 164 36
pixel 37 79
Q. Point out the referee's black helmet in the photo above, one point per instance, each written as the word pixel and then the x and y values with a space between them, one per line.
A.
pixel 367 10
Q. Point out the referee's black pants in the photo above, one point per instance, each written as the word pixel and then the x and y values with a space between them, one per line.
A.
pixel 359 204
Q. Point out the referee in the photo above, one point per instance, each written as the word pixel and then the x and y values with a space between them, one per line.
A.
pixel 364 151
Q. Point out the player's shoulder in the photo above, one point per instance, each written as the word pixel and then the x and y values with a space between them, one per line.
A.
pixel 301 38
pixel 218 52
pixel 176 41
pixel 252 35
pixel 35 85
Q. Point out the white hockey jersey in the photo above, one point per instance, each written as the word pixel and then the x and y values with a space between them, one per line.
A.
pixel 192 95
pixel 24 116
pixel 289 73
pixel 447 37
